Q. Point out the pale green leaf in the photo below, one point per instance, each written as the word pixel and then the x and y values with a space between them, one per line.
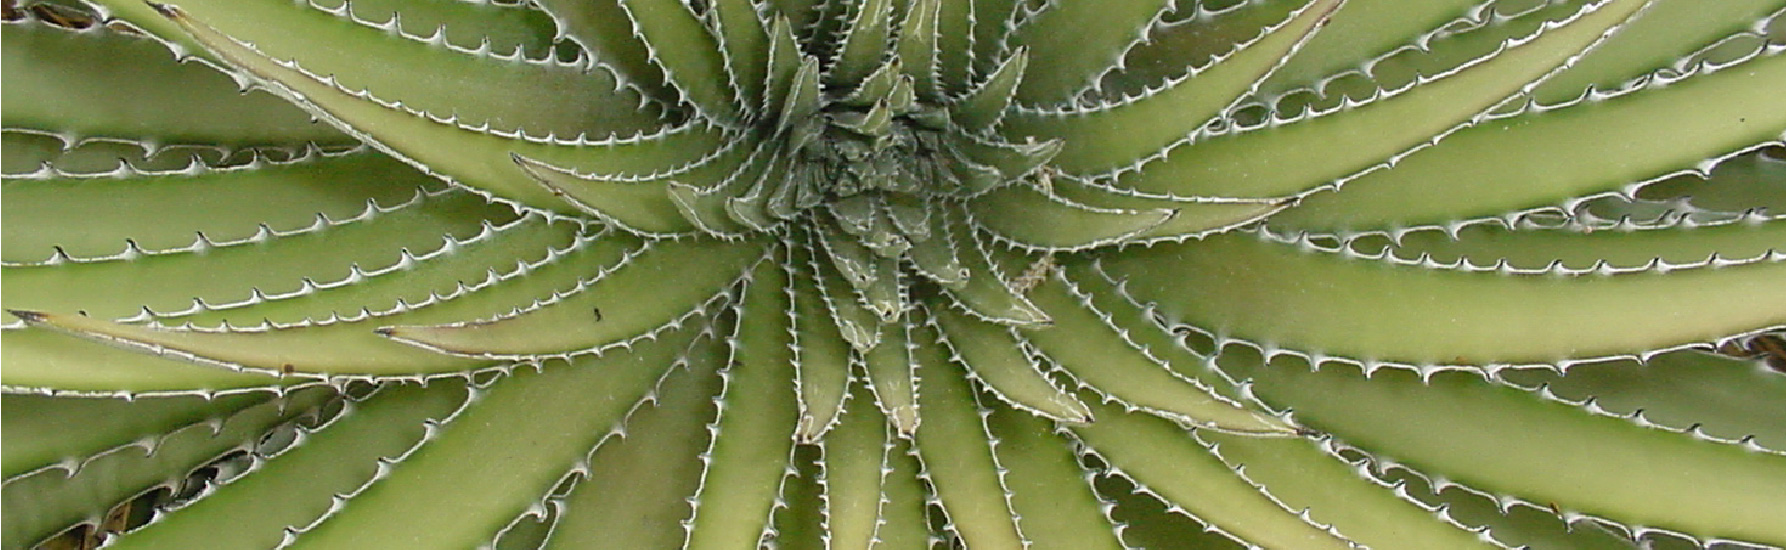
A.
pixel 754 435
pixel 1337 145
pixel 502 454
pixel 1240 286
pixel 478 159
pixel 995 357
pixel 298 486
pixel 41 430
pixel 1050 491
pixel 636 492
pixel 47 360
pixel 1114 365
pixel 1077 42
pixel 43 503
pixel 957 452
pixel 1538 159
pixel 1161 457
pixel 67 81
pixel 599 313
pixel 891 373
pixel 1506 441
pixel 1122 134
pixel 689 54
pixel 92 215
pixel 856 460
pixel 424 77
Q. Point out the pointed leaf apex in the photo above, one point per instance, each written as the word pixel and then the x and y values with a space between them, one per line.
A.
pixel 29 316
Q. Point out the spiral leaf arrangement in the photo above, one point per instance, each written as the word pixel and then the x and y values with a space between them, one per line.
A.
pixel 895 274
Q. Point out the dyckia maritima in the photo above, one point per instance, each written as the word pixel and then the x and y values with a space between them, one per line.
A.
pixel 895 274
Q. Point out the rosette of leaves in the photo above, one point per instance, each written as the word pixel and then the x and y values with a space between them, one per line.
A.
pixel 895 274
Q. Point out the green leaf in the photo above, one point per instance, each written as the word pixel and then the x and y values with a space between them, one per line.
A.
pixel 983 108
pixel 1078 42
pixel 324 254
pixel 754 435
pixel 995 357
pixel 1050 491
pixel 1530 524
pixel 67 81
pixel 937 257
pixel 1359 31
pixel 598 315
pixel 1756 179
pixel 534 98
pixel 1658 39
pixel 91 216
pixel 1537 159
pixel 637 485
pixel 475 158
pixel 1115 366
pixel 1619 247
pixel 954 46
pixel 1719 396
pixel 1189 219
pixel 605 31
pixel 42 430
pixel 350 347
pixel 1142 328
pixel 988 295
pixel 854 322
pixel 1183 40
pixel 1150 523
pixel 904 521
pixel 864 43
pixel 299 485
pixel 1053 223
pixel 957 453
pixel 349 344
pixel 821 355
pixel 504 453
pixel 1510 442
pixel 993 22
pixel 856 462
pixel 891 368
pixel 798 522
pixel 467 25
pixel 917 46
pixel 689 54
pixel 1122 134
pixel 1337 145
pixel 747 47
pixel 781 65
pixel 45 360
pixel 643 207
pixel 1160 457
pixel 1308 475
pixel 41 504
pixel 1242 287
pixel 466 280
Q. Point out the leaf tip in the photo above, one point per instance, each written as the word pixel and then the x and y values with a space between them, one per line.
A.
pixel 29 316
pixel 165 10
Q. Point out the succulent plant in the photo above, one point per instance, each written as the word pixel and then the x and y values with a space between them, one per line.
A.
pixel 895 274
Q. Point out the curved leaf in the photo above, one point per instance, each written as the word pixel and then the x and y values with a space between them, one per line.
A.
pixel 503 454
pixel 581 322
pixel 1506 441
pixel 1338 145
pixel 66 81
pixel 300 484
pixel 1241 287
pixel 1537 159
